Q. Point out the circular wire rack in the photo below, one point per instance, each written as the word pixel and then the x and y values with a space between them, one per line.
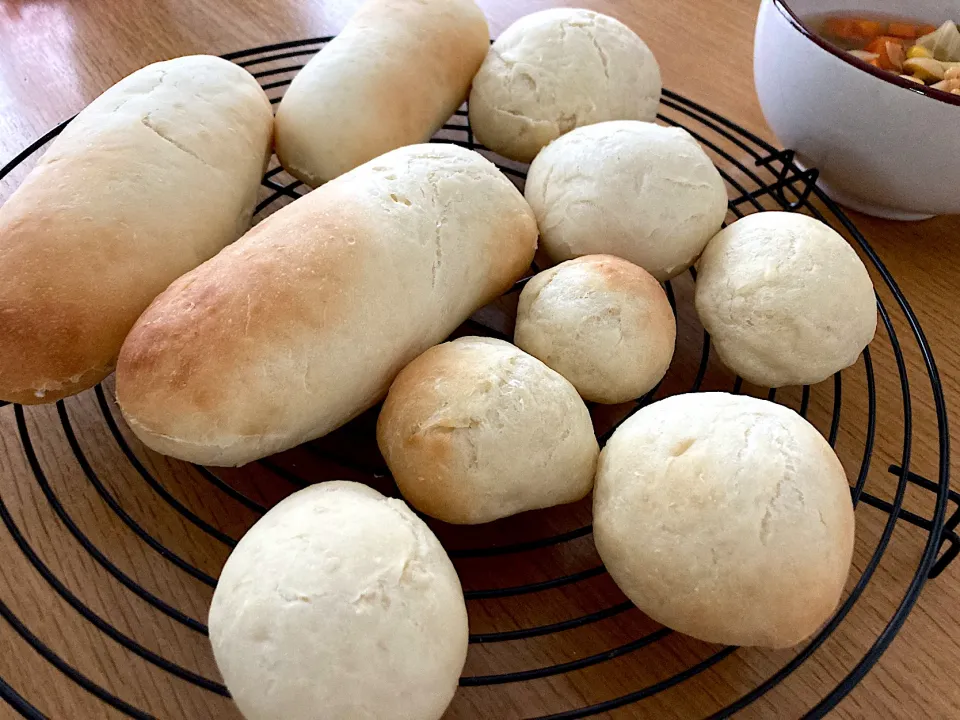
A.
pixel 594 651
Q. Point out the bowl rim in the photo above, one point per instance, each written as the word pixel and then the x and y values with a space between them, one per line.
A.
pixel 885 75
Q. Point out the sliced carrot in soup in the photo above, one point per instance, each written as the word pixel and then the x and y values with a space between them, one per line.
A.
pixel 839 27
pixel 868 29
pixel 902 30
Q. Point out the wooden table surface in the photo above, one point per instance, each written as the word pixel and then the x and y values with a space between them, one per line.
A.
pixel 80 517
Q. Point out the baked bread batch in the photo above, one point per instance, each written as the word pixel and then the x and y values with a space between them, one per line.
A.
pixel 728 518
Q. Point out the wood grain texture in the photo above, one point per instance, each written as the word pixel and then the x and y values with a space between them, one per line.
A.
pixel 165 528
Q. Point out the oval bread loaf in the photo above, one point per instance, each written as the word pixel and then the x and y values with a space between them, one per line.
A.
pixel 392 77
pixel 304 322
pixel 476 429
pixel 155 176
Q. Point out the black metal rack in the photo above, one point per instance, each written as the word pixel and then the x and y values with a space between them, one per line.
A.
pixel 759 177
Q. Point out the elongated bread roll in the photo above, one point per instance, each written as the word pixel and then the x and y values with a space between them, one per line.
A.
pixel 304 322
pixel 157 175
pixel 392 77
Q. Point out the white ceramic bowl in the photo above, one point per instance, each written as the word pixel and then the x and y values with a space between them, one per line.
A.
pixel 883 145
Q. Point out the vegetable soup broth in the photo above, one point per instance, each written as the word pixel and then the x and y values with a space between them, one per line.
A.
pixel 913 48
pixel 817 22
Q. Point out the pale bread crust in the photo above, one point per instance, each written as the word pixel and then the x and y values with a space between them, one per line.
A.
pixel 392 77
pixel 785 299
pixel 152 178
pixel 646 193
pixel 603 323
pixel 558 69
pixel 339 603
pixel 303 323
pixel 476 429
pixel 725 517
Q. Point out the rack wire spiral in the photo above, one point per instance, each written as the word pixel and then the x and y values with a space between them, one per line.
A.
pixel 547 553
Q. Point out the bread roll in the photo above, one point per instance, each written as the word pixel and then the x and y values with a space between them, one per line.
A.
pixel 152 178
pixel 304 322
pixel 392 77
pixel 339 603
pixel 556 70
pixel 475 429
pixel 646 193
pixel 725 517
pixel 785 299
pixel 603 323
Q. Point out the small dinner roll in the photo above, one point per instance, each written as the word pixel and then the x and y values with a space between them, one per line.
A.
pixel 646 193
pixel 559 69
pixel 475 429
pixel 725 517
pixel 602 322
pixel 785 299
pixel 339 603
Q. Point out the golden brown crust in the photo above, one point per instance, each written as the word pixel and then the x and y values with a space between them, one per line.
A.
pixel 227 302
pixel 620 275
pixel 423 454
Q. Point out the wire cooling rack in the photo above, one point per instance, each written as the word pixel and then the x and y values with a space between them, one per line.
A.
pixel 550 633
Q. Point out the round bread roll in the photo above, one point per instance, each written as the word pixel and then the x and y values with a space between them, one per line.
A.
pixel 725 517
pixel 785 299
pixel 559 69
pixel 646 193
pixel 603 323
pixel 475 429
pixel 339 603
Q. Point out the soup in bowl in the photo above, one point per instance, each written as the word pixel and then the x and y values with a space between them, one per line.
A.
pixel 844 89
